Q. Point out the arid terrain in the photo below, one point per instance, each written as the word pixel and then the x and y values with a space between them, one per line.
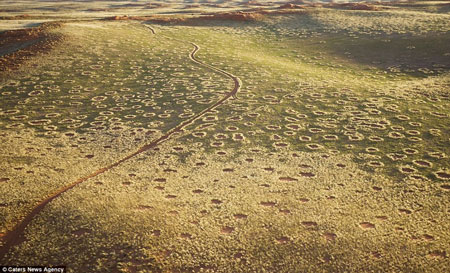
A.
pixel 225 136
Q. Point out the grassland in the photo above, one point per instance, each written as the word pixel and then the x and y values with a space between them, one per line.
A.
pixel 331 157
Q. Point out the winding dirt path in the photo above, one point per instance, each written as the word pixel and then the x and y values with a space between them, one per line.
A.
pixel 16 235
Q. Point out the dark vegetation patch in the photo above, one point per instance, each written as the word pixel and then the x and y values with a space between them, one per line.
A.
pixel 19 46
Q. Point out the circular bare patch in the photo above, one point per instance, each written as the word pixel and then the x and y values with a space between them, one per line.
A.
pixel 443 174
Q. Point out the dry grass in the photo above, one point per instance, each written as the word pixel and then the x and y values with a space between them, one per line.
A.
pixel 322 163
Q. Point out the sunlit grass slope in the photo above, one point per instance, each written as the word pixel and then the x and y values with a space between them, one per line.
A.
pixel 333 157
